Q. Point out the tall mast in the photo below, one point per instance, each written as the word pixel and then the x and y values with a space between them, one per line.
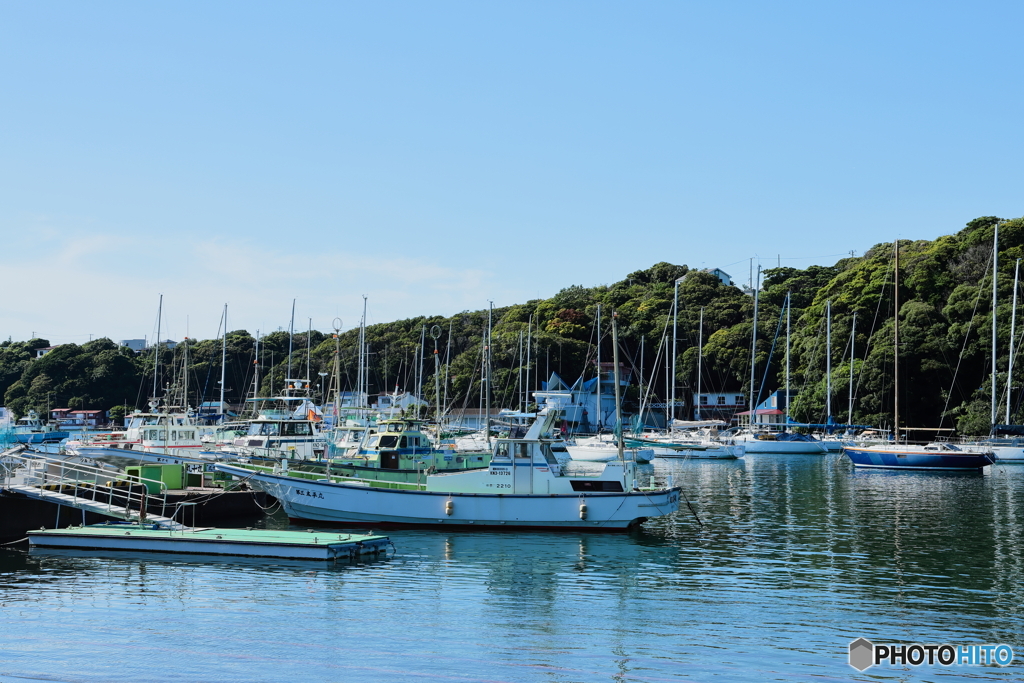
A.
pixel 789 308
pixel 700 362
pixel 600 413
pixel 828 361
pixel 1013 332
pixel 184 372
pixel 435 332
pixel 291 331
pixel 853 347
pixel 995 258
pixel 668 423
pixel 753 346
pixel 361 390
pixel 529 341
pixel 223 360
pixel 419 370
pixel 521 388
pixel 447 361
pixel 309 335
pixel 256 367
pixel 156 347
pixel 618 399
pixel 487 362
pixel 675 327
pixel 896 346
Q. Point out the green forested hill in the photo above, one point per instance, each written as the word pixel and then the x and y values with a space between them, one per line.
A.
pixel 945 314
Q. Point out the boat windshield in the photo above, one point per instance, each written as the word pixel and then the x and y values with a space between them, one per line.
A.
pixel 264 429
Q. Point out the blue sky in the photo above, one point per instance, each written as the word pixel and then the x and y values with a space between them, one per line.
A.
pixel 434 156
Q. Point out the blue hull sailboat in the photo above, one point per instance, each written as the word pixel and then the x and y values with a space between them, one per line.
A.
pixel 903 456
pixel 933 456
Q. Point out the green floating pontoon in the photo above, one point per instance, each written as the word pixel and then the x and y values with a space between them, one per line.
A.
pixel 292 545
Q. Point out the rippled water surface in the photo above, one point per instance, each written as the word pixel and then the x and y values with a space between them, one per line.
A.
pixel 797 556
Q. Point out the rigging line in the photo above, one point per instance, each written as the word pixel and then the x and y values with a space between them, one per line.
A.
pixel 871 332
pixel 967 335
pixel 768 365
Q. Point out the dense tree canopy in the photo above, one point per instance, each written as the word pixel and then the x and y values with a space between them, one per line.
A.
pixel 945 326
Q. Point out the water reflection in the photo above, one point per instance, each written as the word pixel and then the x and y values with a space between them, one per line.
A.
pixel 796 557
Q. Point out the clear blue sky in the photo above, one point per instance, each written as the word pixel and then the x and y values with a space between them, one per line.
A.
pixel 437 155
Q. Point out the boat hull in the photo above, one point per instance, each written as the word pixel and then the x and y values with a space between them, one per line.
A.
pixel 356 503
pixel 705 452
pixel 767 447
pixel 910 459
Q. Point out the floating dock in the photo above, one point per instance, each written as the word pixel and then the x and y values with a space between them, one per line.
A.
pixel 292 545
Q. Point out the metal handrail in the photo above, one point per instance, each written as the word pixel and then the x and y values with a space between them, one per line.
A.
pixel 39 462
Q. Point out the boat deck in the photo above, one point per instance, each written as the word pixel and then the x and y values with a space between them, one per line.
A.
pixel 305 545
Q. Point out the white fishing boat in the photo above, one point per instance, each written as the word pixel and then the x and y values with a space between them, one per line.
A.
pixel 167 436
pixel 524 487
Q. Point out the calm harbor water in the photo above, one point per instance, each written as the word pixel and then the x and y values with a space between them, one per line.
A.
pixel 797 556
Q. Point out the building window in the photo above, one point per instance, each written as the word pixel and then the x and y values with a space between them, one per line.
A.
pixel 739 400
pixel 703 400
pixel 721 400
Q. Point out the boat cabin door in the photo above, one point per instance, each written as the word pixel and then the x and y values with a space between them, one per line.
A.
pixel 522 464
pixel 389 460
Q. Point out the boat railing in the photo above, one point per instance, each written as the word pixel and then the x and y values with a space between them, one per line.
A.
pixel 81 481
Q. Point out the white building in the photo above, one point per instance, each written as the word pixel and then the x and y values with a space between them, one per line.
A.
pixel 135 345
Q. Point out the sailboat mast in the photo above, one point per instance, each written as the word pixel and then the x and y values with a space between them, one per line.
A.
pixel 1013 332
pixel 753 346
pixel 700 362
pixel 156 347
pixel 896 347
pixel 419 370
pixel 435 332
pixel 789 309
pixel 668 422
pixel 223 360
pixel 597 333
pixel 291 331
pixel 618 398
pixel 256 366
pixel 361 389
pixel 447 363
pixel 675 328
pixel 995 275
pixel 828 361
pixel 529 355
pixel 521 388
pixel 487 363
pixel 853 348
